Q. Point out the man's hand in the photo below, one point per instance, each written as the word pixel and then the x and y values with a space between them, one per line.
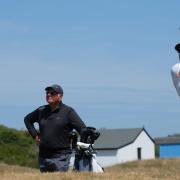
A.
pixel 37 140
pixel 178 74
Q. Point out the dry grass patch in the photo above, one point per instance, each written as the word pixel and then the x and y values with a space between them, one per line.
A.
pixel 166 169
pixel 158 168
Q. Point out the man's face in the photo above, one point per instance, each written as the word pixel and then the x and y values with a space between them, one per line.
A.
pixel 52 97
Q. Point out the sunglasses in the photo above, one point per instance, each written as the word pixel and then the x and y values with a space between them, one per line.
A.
pixel 52 93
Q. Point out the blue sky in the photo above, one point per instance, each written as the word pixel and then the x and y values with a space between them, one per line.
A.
pixel 112 58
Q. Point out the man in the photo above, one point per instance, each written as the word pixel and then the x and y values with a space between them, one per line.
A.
pixel 177 48
pixel 175 71
pixel 56 120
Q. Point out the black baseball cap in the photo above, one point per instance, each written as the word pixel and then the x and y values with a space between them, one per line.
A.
pixel 177 48
pixel 55 87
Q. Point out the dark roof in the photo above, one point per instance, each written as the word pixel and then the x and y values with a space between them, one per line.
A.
pixel 117 138
pixel 168 140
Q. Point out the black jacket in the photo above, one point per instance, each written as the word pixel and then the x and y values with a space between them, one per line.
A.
pixel 54 127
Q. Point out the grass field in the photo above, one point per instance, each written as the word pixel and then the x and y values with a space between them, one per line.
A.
pixel 138 170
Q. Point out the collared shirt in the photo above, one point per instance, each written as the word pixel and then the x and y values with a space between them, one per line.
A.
pixel 175 78
pixel 54 127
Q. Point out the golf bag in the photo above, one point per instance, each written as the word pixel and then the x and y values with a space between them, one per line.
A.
pixel 85 155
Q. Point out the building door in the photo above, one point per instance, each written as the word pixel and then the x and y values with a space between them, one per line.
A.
pixel 139 153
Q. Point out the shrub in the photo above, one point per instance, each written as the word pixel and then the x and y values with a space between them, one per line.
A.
pixel 17 147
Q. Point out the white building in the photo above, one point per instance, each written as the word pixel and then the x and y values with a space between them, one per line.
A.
pixel 116 146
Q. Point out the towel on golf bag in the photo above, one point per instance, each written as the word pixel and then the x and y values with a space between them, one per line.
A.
pixel 88 164
pixel 176 80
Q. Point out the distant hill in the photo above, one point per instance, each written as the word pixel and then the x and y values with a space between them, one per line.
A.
pixel 17 147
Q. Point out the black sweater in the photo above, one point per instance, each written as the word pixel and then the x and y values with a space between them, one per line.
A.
pixel 54 127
